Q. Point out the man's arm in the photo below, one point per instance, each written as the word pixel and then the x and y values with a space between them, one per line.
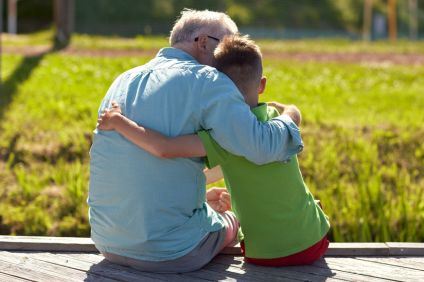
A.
pixel 237 130
pixel 153 142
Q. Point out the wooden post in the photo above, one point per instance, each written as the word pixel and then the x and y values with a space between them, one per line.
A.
pixel 391 12
pixel 413 19
pixel 1 30
pixel 12 16
pixel 64 20
pixel 366 32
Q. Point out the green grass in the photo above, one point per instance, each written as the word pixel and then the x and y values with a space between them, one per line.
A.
pixel 363 131
pixel 337 45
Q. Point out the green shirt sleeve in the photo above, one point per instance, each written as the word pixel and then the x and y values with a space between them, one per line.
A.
pixel 272 112
pixel 215 155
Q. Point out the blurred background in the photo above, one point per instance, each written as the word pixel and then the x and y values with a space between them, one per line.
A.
pixel 260 18
pixel 355 68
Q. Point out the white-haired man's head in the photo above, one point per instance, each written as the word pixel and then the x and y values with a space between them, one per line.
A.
pixel 192 23
pixel 199 32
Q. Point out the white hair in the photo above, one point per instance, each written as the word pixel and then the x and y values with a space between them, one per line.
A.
pixel 192 22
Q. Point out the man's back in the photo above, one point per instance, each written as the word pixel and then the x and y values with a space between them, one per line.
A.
pixel 141 206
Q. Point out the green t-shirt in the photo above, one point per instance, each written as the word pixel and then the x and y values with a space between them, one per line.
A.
pixel 277 212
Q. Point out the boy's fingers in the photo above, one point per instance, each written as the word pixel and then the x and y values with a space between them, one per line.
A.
pixel 225 197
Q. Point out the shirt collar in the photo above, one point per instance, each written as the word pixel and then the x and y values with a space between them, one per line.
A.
pixel 171 52
pixel 261 112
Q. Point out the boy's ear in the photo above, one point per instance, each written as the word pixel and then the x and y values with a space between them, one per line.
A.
pixel 262 85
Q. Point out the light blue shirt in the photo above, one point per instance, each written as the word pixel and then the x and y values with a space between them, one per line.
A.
pixel 154 209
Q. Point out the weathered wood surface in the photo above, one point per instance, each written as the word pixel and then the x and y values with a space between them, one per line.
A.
pixel 76 259
pixel 80 266
pixel 73 244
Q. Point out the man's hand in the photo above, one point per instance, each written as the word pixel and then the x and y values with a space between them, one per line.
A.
pixel 280 107
pixel 108 118
pixel 291 110
pixel 218 199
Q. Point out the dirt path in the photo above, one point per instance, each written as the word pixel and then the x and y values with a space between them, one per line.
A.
pixel 373 58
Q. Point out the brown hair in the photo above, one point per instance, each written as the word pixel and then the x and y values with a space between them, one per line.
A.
pixel 240 59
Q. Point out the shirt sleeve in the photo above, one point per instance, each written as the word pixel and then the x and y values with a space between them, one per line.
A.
pixel 215 155
pixel 233 126
pixel 113 94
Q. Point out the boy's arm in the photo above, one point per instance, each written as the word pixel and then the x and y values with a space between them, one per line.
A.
pixel 213 174
pixel 153 142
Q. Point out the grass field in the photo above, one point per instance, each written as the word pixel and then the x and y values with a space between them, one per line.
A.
pixel 363 131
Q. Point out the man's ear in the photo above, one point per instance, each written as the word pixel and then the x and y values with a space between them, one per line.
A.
pixel 262 85
pixel 201 43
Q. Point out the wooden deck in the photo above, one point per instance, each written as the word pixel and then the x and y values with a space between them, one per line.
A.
pixel 76 259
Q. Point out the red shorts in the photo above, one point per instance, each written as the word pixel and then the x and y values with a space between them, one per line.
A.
pixel 307 256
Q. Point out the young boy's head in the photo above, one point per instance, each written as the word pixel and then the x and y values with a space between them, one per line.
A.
pixel 241 60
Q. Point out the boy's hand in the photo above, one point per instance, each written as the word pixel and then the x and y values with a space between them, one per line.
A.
pixel 115 108
pixel 106 121
pixel 108 118
pixel 218 199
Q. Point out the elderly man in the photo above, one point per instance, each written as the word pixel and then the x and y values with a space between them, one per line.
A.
pixel 151 213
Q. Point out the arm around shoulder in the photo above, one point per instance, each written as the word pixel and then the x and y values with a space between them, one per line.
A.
pixel 150 140
pixel 236 129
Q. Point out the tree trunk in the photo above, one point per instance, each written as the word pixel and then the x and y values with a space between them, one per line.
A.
pixel 366 32
pixel 64 20
pixel 391 12
pixel 12 16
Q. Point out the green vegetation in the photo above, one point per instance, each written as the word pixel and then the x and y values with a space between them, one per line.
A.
pixel 363 132
pixel 153 43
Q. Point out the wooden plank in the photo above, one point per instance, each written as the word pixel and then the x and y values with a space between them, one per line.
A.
pixel 26 272
pixel 406 249
pixel 11 278
pixel 373 269
pixel 419 260
pixel 231 271
pixel 396 261
pixel 75 244
pixel 305 273
pixel 99 259
pixel 238 273
pixel 51 269
pixel 102 268
pixel 57 244
pixel 95 258
pixel 235 250
pixel 357 249
pixel 45 243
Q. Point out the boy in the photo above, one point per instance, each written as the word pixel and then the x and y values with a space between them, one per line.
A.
pixel 280 222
